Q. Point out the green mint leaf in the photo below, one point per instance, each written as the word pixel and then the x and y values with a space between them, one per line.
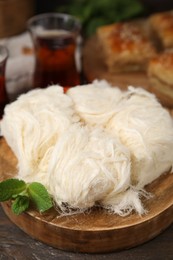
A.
pixel 40 197
pixel 10 188
pixel 20 204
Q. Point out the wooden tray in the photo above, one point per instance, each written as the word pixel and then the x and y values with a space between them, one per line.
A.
pixel 96 231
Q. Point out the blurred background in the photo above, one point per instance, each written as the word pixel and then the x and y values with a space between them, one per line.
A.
pixel 14 13
pixel 13 30
pixel 96 13
pixel 151 5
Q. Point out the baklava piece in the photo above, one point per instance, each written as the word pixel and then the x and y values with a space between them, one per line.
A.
pixel 162 26
pixel 126 47
pixel 160 74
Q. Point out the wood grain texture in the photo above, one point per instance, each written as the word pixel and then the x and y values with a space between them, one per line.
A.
pixel 96 231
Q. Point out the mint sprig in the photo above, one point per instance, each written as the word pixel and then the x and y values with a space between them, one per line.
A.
pixel 23 195
pixel 40 197
pixel 20 204
pixel 10 188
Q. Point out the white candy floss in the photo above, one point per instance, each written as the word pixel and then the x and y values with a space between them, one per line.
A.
pixel 93 145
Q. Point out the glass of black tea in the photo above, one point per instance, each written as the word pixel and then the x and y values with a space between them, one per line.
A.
pixel 3 92
pixel 55 38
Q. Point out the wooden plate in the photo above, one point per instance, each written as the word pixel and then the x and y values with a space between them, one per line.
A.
pixel 95 231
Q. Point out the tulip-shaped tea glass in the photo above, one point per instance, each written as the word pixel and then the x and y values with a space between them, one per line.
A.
pixel 55 40
pixel 3 93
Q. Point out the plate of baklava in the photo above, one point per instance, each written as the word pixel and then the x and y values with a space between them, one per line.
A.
pixel 138 53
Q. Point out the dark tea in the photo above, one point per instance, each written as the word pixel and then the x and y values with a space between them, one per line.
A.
pixel 55 40
pixel 55 59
